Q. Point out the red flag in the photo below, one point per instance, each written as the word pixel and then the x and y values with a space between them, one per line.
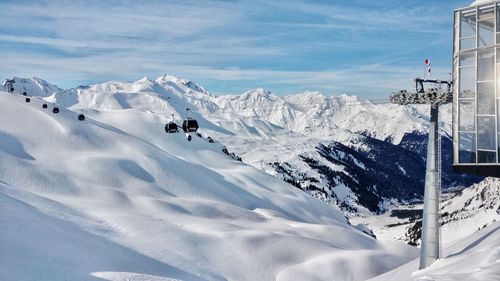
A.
pixel 428 70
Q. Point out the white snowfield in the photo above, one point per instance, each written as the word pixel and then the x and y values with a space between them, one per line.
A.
pixel 116 198
pixel 259 126
pixel 476 257
pixel 462 214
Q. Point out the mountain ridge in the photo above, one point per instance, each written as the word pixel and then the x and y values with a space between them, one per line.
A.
pixel 281 135
pixel 114 197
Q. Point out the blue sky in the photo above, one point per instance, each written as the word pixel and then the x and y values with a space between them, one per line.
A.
pixel 367 48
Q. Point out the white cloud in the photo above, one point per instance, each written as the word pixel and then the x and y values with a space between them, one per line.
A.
pixel 262 42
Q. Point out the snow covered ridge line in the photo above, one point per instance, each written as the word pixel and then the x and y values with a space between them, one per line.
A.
pixel 310 112
pixel 121 201
pixel 256 123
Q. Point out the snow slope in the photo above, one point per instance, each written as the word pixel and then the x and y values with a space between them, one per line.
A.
pixel 463 212
pixel 332 147
pixel 115 198
pixel 476 257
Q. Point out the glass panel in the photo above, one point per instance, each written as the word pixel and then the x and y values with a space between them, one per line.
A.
pixel 486 12
pixel 486 32
pixel 486 157
pixel 466 115
pixel 498 80
pixel 498 18
pixel 498 109
pixel 469 43
pixel 486 98
pixel 467 82
pixel 485 65
pixel 486 132
pixel 469 58
pixel 498 144
pixel 498 38
pixel 468 23
pixel 467 148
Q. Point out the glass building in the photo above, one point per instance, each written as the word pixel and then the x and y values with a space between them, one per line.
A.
pixel 476 89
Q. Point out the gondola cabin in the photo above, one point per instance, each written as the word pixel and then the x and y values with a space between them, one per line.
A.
pixel 171 127
pixel 190 125
pixel 476 89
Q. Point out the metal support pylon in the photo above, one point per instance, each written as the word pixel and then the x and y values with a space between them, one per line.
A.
pixel 429 251
pixel 430 248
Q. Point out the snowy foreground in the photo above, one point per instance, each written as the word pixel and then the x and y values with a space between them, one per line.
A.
pixel 115 198
pixel 475 258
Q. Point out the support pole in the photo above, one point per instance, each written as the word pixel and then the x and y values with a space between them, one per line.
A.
pixel 429 251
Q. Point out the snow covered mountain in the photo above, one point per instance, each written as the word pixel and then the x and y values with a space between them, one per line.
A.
pixel 115 198
pixel 476 257
pixel 316 115
pixel 463 212
pixel 310 113
pixel 346 151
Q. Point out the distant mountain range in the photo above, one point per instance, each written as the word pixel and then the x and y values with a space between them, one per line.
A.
pixel 360 156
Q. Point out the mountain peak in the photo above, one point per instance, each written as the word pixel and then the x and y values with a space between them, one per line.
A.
pixel 167 78
pixel 145 79
pixel 258 92
pixel 194 86
pixel 309 96
pixel 313 93
pixel 345 96
pixel 34 86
